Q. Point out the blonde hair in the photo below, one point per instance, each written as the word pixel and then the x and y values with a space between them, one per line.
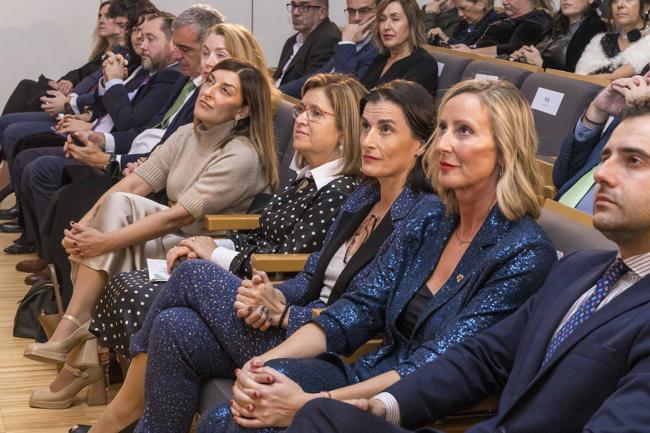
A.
pixel 545 5
pixel 414 16
pixel 100 44
pixel 519 187
pixel 345 94
pixel 242 45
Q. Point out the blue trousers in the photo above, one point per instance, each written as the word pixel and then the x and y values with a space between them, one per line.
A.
pixel 15 126
pixel 192 333
pixel 40 172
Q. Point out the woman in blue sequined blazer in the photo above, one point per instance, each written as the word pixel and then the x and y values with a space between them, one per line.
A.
pixel 444 280
pixel 395 189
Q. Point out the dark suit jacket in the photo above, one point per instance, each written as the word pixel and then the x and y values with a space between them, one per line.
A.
pixel 123 139
pixel 345 60
pixel 597 380
pixel 128 113
pixel 419 67
pixel 303 291
pixel 576 158
pixel 314 52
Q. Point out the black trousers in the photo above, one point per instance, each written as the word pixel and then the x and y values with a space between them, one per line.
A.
pixel 325 415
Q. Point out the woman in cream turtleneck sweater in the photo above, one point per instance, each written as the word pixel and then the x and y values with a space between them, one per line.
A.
pixel 217 165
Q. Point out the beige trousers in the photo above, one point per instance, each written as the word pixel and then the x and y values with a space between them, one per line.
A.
pixel 119 210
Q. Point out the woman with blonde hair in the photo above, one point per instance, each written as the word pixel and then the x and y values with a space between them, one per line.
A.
pixel 454 269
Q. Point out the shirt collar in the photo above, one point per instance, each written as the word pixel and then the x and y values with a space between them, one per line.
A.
pixel 639 264
pixel 197 81
pixel 322 175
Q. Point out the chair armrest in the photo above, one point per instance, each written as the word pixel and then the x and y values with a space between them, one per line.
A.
pixel 231 222
pixel 279 262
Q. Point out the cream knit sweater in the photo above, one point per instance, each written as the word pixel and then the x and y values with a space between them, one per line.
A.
pixel 204 177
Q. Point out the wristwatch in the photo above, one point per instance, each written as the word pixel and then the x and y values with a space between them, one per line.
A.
pixel 112 159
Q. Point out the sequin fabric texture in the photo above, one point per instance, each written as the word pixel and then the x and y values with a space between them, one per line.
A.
pixel 202 290
pixel 503 266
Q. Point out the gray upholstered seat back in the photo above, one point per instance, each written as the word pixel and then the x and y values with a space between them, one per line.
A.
pixel 557 102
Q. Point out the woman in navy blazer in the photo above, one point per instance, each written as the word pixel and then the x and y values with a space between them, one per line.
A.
pixel 446 278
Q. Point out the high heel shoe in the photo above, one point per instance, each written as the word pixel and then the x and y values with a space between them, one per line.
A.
pixel 94 377
pixel 57 351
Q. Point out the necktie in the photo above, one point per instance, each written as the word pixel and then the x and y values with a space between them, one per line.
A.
pixel 178 103
pixel 588 307
pixel 574 194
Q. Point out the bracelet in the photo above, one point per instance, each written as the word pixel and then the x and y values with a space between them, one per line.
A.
pixel 591 121
pixel 284 313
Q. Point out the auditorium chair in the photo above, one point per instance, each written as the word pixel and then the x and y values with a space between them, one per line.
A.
pixel 557 101
pixel 450 68
pixel 493 69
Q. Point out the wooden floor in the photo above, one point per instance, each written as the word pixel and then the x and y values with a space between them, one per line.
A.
pixel 18 375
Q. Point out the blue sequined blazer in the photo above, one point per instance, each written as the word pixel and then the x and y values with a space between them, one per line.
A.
pixel 504 265
pixel 403 210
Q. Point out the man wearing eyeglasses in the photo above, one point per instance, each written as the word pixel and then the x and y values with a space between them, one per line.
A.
pixel 354 53
pixel 305 52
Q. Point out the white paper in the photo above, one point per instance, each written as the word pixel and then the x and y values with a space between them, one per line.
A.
pixel 157 270
pixel 486 77
pixel 440 68
pixel 547 101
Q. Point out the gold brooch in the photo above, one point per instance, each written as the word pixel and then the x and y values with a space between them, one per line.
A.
pixel 459 278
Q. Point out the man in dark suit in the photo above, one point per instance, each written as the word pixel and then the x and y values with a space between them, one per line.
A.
pixel 574 358
pixel 580 152
pixel 354 53
pixel 305 52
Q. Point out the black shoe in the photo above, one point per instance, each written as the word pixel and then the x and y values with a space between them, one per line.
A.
pixel 20 249
pixel 9 214
pixel 11 227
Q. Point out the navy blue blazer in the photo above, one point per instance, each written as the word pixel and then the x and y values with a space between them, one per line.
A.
pixel 503 266
pixel 128 113
pixel 597 381
pixel 346 60
pixel 123 139
pixel 303 291
pixel 576 158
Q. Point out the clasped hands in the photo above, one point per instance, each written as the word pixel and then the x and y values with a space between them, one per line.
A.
pixel 81 240
pixel 87 149
pixel 259 303
pixel 114 67
pixel 264 397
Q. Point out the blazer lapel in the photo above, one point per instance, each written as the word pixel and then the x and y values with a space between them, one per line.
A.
pixel 352 220
pixel 555 312
pixel 364 254
pixel 466 270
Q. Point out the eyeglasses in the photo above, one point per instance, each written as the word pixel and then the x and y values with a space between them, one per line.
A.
pixel 362 12
pixel 314 114
pixel 303 8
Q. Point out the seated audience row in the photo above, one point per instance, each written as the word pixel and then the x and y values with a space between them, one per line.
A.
pixel 420 222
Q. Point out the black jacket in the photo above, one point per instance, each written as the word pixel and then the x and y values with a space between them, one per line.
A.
pixel 419 67
pixel 314 52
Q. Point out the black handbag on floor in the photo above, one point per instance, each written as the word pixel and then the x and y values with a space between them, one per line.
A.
pixel 39 300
